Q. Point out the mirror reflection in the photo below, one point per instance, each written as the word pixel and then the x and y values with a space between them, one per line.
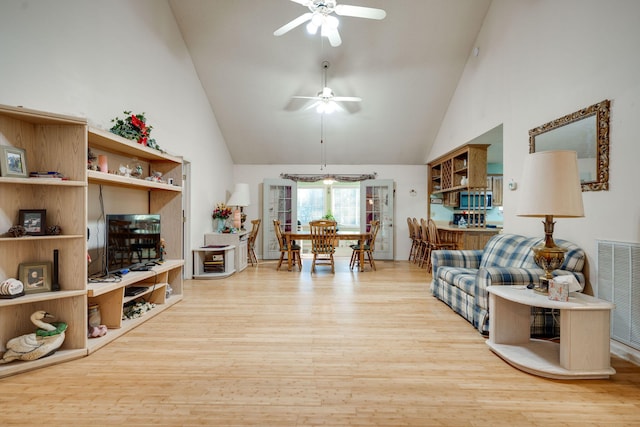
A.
pixel 586 132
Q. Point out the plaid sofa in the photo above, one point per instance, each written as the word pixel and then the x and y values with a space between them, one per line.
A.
pixel 461 277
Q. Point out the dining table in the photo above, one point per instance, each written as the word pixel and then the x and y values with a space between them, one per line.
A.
pixel 291 236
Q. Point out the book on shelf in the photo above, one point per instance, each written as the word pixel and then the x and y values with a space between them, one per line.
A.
pixel 48 175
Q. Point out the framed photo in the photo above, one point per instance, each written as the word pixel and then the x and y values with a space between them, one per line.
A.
pixel 35 276
pixel 34 221
pixel 13 162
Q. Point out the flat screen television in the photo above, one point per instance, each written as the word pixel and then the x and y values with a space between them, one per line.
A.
pixel 132 239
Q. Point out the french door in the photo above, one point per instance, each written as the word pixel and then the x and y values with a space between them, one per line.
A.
pixel 279 202
pixel 376 203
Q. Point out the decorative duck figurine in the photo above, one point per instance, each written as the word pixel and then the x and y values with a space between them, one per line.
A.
pixel 45 341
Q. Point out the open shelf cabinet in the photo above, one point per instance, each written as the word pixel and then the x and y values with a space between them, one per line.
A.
pixel 50 142
pixel 53 142
pixel 164 198
pixel 111 299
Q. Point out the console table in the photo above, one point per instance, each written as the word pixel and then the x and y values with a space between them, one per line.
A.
pixel 583 351
pixel 239 240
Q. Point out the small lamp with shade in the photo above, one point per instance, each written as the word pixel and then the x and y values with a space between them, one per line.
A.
pixel 240 199
pixel 550 187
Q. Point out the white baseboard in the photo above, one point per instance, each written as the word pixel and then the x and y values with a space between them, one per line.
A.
pixel 625 352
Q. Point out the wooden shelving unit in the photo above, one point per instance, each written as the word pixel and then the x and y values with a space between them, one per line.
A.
pixel 54 142
pixel 51 142
pixel 164 199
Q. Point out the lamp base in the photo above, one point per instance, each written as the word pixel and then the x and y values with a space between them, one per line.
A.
pixel 543 287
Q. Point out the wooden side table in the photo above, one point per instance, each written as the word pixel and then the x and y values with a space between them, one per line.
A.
pixel 583 351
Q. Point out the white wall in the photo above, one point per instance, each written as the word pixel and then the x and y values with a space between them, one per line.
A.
pixel 406 178
pixel 538 61
pixel 96 59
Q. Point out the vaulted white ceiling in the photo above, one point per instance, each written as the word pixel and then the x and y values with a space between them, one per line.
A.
pixel 405 68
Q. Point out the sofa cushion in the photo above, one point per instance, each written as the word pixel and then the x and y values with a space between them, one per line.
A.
pixel 463 278
pixel 511 250
pixel 508 250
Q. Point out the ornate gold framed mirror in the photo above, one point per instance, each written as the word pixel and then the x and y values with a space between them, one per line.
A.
pixel 587 132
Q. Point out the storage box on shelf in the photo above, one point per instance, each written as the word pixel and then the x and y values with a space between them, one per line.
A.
pixel 164 198
pixel 51 142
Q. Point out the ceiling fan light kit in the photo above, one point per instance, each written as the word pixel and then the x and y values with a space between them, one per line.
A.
pixel 325 100
pixel 319 16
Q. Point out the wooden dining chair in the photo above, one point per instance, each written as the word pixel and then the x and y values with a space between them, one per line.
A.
pixel 367 248
pixel 426 251
pixel 412 251
pixel 251 241
pixel 323 241
pixel 421 241
pixel 295 249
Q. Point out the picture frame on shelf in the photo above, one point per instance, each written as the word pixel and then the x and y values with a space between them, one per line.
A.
pixel 35 276
pixel 13 162
pixel 34 221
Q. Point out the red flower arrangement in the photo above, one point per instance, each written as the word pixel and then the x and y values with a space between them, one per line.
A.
pixel 134 126
pixel 221 211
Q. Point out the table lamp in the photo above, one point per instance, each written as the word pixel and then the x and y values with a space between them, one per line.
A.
pixel 550 188
pixel 239 198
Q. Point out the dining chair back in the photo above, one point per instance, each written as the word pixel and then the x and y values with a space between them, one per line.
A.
pixel 323 241
pixel 421 242
pixel 284 250
pixel 251 241
pixel 412 238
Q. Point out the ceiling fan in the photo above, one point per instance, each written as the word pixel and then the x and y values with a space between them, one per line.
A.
pixel 320 17
pixel 325 100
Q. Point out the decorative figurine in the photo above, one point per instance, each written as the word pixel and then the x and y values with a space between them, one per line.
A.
pixel 163 249
pixel 45 341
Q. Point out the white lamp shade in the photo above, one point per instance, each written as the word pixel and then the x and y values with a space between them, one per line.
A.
pixel 551 185
pixel 240 196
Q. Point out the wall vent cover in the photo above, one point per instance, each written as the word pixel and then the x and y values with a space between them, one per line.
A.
pixel 619 282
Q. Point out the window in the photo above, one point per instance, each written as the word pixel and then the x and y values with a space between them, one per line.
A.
pixel 311 204
pixel 345 205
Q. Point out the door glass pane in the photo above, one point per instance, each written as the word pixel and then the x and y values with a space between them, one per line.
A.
pixel 346 206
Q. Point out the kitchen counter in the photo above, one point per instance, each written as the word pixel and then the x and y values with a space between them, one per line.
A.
pixel 492 230
pixel 466 238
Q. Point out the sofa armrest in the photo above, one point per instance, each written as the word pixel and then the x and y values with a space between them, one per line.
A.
pixel 455 258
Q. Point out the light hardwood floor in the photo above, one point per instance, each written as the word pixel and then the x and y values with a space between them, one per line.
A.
pixel 279 348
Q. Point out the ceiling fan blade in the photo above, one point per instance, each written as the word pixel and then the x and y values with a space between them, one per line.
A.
pixel 360 12
pixel 332 34
pixel 347 99
pixel 312 105
pixel 302 2
pixel 306 97
pixel 293 24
